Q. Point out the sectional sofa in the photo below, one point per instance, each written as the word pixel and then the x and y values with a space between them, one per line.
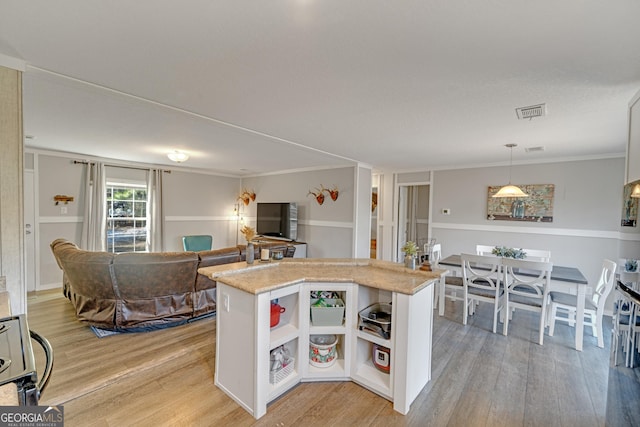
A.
pixel 143 291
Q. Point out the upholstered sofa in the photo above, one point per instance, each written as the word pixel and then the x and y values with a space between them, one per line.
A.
pixel 141 291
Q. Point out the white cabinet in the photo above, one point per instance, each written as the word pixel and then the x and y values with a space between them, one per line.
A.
pixel 245 341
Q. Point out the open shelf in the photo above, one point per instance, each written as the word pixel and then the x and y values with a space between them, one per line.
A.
pixel 374 338
pixel 286 380
pixel 370 377
pixel 327 330
pixel 281 334
pixel 337 371
pixel 288 327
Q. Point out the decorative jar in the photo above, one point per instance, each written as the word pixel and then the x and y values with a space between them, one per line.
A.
pixel 250 253
pixel 410 262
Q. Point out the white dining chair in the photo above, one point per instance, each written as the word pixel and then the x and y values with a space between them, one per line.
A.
pixel 484 249
pixel 526 287
pixel 481 283
pixel 537 255
pixel 453 289
pixel 626 326
pixel 562 306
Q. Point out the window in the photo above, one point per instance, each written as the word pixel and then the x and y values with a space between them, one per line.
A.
pixel 126 217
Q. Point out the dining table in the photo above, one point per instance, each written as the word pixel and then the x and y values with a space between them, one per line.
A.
pixel 569 280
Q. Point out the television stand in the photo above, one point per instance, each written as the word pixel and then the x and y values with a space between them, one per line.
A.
pixel 282 239
pixel 301 247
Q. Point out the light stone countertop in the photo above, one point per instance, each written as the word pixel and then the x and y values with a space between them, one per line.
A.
pixel 262 277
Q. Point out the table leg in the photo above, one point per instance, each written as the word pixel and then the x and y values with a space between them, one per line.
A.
pixel 441 295
pixel 580 316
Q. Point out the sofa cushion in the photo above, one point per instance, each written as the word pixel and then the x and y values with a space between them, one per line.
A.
pixel 154 288
pixel 218 256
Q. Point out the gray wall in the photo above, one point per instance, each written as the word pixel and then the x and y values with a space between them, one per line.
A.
pixel 197 203
pixel 194 203
pixel 586 216
pixel 328 229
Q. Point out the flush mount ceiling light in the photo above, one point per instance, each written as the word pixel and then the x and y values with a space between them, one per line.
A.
pixel 178 156
pixel 510 190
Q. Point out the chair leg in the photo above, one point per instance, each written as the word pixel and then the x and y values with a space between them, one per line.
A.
pixel 543 318
pixel 465 309
pixel 505 324
pixel 552 319
pixel 614 343
pixel 495 316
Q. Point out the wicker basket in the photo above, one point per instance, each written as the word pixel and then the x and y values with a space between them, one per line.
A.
pixel 276 376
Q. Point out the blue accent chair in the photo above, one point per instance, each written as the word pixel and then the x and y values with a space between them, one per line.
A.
pixel 197 243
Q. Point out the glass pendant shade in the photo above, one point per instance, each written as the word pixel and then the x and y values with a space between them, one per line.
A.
pixel 636 191
pixel 510 190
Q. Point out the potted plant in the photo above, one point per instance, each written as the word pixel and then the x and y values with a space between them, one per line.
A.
pixel 505 252
pixel 410 250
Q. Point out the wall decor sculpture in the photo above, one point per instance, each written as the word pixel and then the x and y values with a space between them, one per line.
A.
pixel 538 207
pixel 319 193
pixel 247 196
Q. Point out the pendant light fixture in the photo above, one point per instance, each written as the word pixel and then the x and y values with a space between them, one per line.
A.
pixel 510 190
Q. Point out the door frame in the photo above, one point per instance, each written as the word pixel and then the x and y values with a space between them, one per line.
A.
pixel 396 255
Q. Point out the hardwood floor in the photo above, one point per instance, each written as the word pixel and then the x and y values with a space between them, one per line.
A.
pixel 165 378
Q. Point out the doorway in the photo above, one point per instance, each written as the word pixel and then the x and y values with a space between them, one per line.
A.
pixel 413 216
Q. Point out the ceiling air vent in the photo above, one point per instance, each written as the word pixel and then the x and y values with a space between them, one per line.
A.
pixel 534 149
pixel 531 111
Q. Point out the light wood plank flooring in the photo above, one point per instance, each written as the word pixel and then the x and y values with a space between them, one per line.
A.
pixel 165 378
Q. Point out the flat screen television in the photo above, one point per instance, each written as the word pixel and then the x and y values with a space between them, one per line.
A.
pixel 278 220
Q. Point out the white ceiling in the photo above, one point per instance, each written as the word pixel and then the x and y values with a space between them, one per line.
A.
pixel 248 87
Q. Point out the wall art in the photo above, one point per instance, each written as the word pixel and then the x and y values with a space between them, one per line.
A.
pixel 538 207
pixel 629 207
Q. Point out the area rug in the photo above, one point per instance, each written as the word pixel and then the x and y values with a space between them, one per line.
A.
pixel 101 333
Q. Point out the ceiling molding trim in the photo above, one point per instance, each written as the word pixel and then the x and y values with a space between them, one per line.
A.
pixel 300 170
pixel 119 162
pixel 521 162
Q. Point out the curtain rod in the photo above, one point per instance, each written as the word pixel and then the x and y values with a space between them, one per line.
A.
pixel 84 162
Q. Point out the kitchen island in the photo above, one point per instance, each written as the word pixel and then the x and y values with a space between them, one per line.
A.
pixel 246 342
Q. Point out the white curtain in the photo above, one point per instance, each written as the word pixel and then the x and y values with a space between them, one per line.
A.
pixel 155 214
pixel 94 225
